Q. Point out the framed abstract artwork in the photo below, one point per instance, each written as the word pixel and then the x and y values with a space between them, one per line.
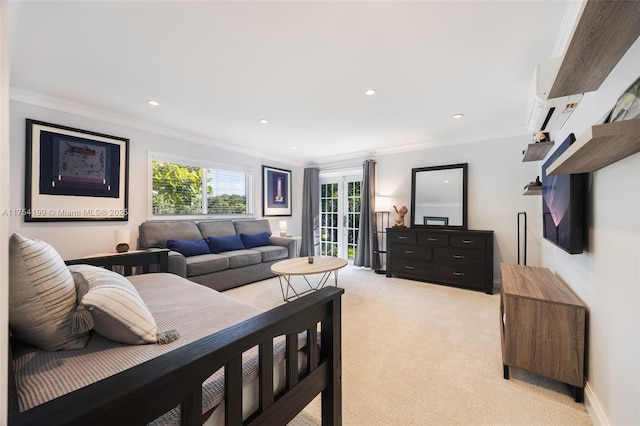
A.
pixel 276 192
pixel 75 175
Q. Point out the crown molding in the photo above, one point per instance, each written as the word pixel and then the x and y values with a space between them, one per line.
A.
pixel 330 161
pixel 459 140
pixel 121 120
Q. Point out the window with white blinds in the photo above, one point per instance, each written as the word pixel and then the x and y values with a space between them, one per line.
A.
pixel 180 188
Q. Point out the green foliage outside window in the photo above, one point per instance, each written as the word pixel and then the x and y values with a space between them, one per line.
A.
pixel 227 204
pixel 179 189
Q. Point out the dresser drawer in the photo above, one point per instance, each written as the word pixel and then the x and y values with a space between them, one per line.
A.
pixel 469 241
pixel 461 258
pixel 402 237
pixel 414 268
pixel 458 256
pixel 428 239
pixel 458 275
pixel 411 252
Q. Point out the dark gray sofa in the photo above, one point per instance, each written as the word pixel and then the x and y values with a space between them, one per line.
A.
pixel 224 270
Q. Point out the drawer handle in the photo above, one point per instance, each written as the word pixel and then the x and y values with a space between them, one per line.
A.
pixel 458 256
pixel 459 274
pixel 432 239
pixel 467 241
pixel 409 251
pixel 409 267
pixel 402 237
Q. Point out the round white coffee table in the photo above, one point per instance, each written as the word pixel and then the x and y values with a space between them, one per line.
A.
pixel 285 269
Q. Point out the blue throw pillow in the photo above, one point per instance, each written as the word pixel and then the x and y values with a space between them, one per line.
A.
pixel 255 240
pixel 220 244
pixel 189 248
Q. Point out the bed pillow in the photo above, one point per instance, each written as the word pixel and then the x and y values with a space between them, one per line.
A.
pixel 220 244
pixel 116 309
pixel 255 240
pixel 42 296
pixel 189 248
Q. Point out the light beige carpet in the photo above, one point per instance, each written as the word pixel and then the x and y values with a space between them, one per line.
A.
pixel 421 354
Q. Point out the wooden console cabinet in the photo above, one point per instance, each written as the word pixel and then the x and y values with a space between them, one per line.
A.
pixel 451 257
pixel 542 325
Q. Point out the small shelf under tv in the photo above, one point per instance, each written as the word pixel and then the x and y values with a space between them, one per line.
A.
pixel 537 151
pixel 600 146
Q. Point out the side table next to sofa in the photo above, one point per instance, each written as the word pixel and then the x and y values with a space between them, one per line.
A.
pixel 125 262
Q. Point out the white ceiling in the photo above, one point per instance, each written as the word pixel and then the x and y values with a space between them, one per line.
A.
pixel 217 68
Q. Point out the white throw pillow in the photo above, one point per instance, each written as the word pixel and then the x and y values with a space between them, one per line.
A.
pixel 42 296
pixel 117 310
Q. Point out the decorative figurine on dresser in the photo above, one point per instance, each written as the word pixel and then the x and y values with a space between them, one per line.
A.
pixel 401 214
pixel 438 247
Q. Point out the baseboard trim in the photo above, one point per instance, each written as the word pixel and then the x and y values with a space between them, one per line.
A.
pixel 594 410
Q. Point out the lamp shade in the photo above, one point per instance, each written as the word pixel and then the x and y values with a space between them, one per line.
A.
pixel 122 238
pixel 283 228
pixel 383 203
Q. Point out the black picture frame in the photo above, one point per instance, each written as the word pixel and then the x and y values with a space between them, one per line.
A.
pixel 435 220
pixel 428 188
pixel 74 175
pixel 276 191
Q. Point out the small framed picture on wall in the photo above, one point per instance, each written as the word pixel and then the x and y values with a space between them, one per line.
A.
pixel 276 191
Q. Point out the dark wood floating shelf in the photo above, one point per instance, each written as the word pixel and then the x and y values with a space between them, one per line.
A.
pixel 604 33
pixel 601 145
pixel 533 191
pixel 537 151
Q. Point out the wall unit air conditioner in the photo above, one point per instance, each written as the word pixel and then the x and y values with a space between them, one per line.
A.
pixel 548 114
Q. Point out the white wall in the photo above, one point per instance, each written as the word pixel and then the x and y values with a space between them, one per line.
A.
pixel 497 177
pixel 4 204
pixel 607 275
pixel 77 239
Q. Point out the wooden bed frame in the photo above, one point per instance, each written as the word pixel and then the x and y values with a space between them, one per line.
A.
pixel 141 394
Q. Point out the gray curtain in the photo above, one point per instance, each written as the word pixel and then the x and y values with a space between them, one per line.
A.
pixel 367 240
pixel 310 243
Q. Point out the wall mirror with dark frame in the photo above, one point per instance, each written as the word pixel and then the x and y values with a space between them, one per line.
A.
pixel 439 196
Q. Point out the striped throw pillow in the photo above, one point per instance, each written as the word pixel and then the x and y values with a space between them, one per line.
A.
pixel 117 310
pixel 42 296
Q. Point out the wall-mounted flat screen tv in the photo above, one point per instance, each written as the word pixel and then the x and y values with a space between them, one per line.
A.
pixel 564 204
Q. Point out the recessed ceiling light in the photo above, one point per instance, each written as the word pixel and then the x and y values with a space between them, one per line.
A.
pixel 153 103
pixel 458 115
pixel 293 147
pixel 264 121
pixel 370 92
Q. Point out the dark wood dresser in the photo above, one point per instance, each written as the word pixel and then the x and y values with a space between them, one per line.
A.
pixel 451 257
